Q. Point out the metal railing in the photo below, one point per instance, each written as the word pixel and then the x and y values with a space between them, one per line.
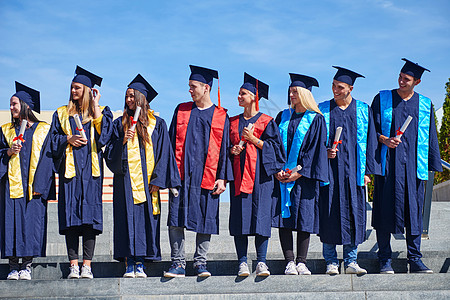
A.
pixel 427 201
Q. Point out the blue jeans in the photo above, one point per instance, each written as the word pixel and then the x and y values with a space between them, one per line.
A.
pixel 241 243
pixel 132 260
pixel 330 254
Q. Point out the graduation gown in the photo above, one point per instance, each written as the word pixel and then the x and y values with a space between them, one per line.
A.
pixel 196 208
pixel 80 198
pixel 400 182
pixel 251 214
pixel 343 202
pixel 23 222
pixel 305 193
pixel 136 228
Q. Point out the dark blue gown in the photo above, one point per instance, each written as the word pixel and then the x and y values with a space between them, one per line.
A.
pixel 136 229
pixel 251 214
pixel 305 193
pixel 195 208
pixel 23 223
pixel 80 198
pixel 343 202
pixel 400 182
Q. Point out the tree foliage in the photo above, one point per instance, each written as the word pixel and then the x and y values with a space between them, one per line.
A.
pixel 444 137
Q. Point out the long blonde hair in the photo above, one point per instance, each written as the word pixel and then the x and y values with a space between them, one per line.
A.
pixel 306 99
pixel 86 111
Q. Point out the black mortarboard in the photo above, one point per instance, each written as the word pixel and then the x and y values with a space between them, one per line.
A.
pixel 139 83
pixel 203 75
pixel 346 75
pixel 303 81
pixel 250 84
pixel 87 78
pixel 28 95
pixel 413 69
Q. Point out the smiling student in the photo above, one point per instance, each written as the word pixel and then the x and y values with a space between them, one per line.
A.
pixel 399 190
pixel 26 183
pixel 255 160
pixel 79 163
pixel 199 133
pixel 342 199
pixel 143 162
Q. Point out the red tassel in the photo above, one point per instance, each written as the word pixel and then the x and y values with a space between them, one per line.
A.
pixel 257 96
pixel 218 91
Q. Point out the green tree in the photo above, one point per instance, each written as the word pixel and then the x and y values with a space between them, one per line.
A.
pixel 444 137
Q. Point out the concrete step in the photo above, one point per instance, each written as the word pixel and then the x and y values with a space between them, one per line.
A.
pixel 219 264
pixel 399 286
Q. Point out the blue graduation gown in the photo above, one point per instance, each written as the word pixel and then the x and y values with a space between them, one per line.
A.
pixel 400 182
pixel 80 198
pixel 195 208
pixel 136 229
pixel 251 214
pixel 305 193
pixel 343 202
pixel 23 223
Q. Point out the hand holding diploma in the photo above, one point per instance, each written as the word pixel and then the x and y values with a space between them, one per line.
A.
pixel 402 129
pixel 134 119
pixel 246 134
pixel 80 128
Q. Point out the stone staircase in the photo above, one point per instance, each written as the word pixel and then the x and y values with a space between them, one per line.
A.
pixel 49 273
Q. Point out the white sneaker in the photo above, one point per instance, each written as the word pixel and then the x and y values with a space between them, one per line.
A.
pixel 262 269
pixel 140 271
pixel 86 272
pixel 129 272
pixel 302 269
pixel 291 269
pixel 25 274
pixel 353 268
pixel 74 272
pixel 243 270
pixel 332 269
pixel 13 275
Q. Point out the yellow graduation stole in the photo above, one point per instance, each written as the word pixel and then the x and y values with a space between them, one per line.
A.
pixel 14 169
pixel 135 167
pixel 63 116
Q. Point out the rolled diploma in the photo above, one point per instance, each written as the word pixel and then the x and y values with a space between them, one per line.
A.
pixel 79 126
pixel 404 126
pixel 135 118
pixel 249 127
pixel 174 191
pixel 296 169
pixel 337 136
pixel 22 130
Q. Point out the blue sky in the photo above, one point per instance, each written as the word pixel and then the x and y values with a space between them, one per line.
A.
pixel 43 41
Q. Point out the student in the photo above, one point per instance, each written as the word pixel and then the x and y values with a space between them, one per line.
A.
pixel 199 134
pixel 254 164
pixel 303 132
pixel 342 200
pixel 399 190
pixel 142 161
pixel 79 162
pixel 26 183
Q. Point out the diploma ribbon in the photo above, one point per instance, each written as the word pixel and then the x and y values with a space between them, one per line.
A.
pixel 20 137
pixel 133 121
pixel 398 132
pixel 337 142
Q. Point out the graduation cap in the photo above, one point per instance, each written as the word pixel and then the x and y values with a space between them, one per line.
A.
pixel 28 95
pixel 303 81
pixel 257 87
pixel 139 83
pixel 413 69
pixel 203 75
pixel 87 78
pixel 345 75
